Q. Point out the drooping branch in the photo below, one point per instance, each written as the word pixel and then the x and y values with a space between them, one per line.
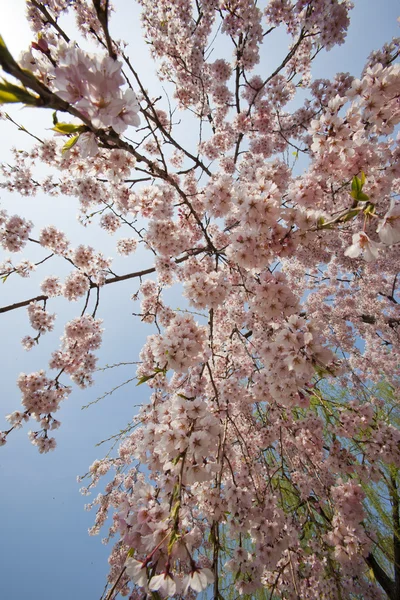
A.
pixel 115 279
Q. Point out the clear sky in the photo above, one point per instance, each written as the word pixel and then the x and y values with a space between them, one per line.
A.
pixel 46 553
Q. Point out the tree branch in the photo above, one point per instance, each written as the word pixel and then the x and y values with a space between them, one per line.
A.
pixel 50 19
pixel 382 578
pixel 115 279
pixel 394 497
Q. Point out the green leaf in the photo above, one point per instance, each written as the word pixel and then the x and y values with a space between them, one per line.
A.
pixel 55 120
pixel 70 144
pixel 350 215
pixel 372 575
pixel 4 52
pixel 175 509
pixel 7 97
pixel 363 197
pixel 322 225
pixel 356 185
pixel 67 128
pixel 145 378
pixel 359 196
pixel 172 541
pixel 10 93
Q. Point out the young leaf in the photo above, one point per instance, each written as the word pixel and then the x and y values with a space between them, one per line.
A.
pixel 350 215
pixel 10 93
pixel 70 144
pixel 4 52
pixel 144 378
pixel 356 185
pixel 7 97
pixel 67 128
pixel 370 209
pixel 363 197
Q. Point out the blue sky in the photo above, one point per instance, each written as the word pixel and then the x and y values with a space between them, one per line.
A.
pixel 46 552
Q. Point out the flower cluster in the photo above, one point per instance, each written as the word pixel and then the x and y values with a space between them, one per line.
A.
pixel 93 86
pixel 182 345
pixel 81 337
pixel 41 396
pixel 14 232
pixel 39 318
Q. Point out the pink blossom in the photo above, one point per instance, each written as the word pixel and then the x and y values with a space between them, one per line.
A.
pixel 389 229
pixel 363 246
pixel 199 580
pixel 136 571
pixel 87 144
pixel 163 583
pixel 126 246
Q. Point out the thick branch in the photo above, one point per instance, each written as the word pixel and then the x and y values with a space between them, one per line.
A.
pixel 4 309
pixel 102 15
pixel 382 578
pixel 394 497
pixel 371 320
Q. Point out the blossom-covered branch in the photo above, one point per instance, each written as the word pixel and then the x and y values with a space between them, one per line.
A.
pixel 244 470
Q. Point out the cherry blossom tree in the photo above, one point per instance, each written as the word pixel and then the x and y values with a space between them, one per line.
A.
pixel 243 474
